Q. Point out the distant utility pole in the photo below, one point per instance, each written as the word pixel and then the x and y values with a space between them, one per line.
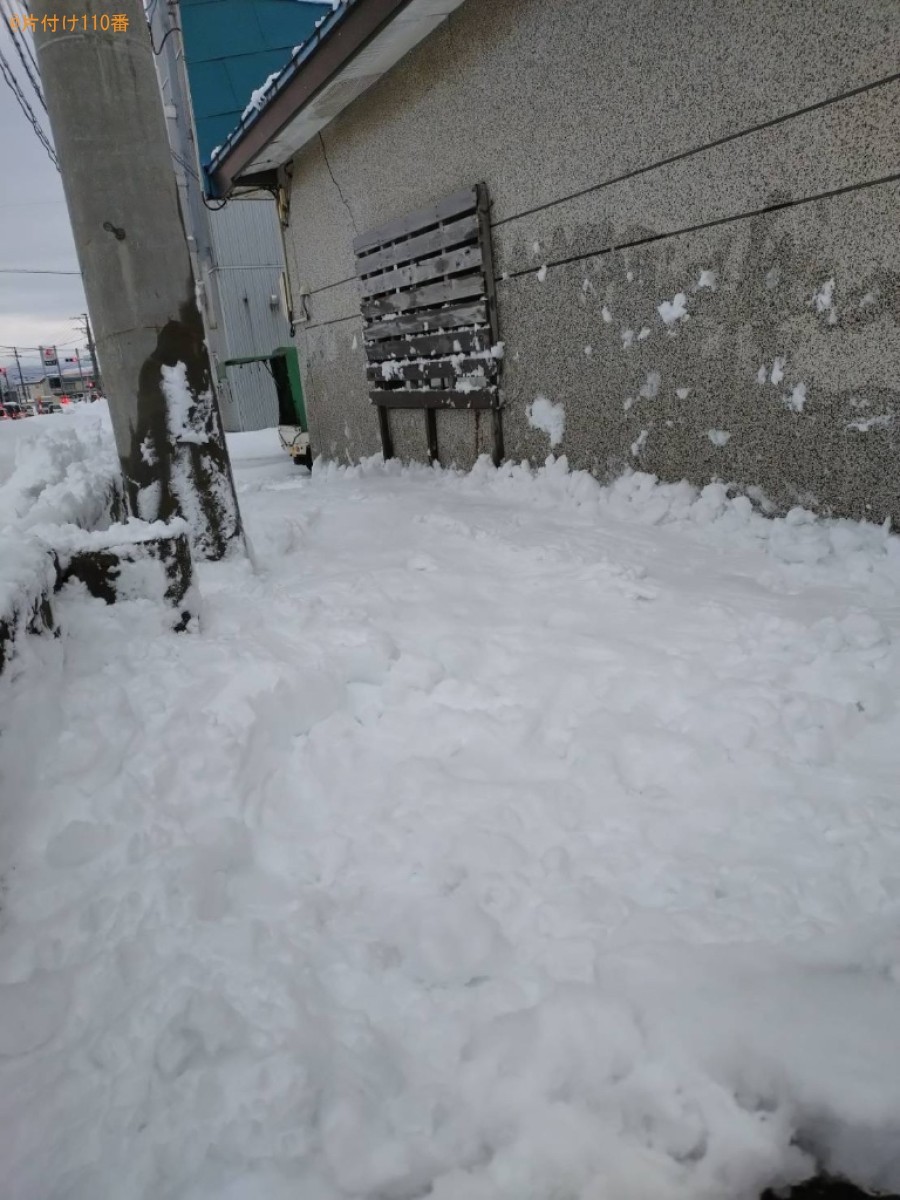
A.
pixel 85 321
pixel 109 131
pixel 21 376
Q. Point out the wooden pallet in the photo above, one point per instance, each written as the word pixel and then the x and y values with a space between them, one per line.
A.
pixel 430 314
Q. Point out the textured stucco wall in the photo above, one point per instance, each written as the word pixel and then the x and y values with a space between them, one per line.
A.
pixel 631 148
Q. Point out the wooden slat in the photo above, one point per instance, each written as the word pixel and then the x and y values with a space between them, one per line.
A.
pixel 384 428
pixel 433 320
pixel 460 202
pixel 433 369
pixel 484 237
pixel 463 341
pixel 431 434
pixel 445 237
pixel 466 258
pixel 484 398
pixel 460 288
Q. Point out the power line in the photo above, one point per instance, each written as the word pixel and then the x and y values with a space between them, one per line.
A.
pixel 25 41
pixel 23 49
pixel 33 271
pixel 13 84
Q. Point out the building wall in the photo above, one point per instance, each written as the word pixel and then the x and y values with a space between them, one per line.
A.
pixel 236 251
pixel 249 258
pixel 632 148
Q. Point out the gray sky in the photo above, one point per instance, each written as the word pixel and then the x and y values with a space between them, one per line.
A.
pixel 34 309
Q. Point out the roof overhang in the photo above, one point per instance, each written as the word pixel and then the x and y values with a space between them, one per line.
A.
pixel 350 52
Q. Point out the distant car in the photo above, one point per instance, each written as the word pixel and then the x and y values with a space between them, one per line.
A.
pixel 47 404
pixel 12 410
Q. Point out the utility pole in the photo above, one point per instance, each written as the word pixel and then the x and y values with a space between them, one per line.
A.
pixel 21 376
pixel 109 132
pixel 86 329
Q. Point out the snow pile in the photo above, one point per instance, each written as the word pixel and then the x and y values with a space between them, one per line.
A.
pixel 61 470
pixel 52 470
pixel 506 836
pixel 26 573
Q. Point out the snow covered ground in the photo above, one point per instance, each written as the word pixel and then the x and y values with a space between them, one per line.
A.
pixel 500 837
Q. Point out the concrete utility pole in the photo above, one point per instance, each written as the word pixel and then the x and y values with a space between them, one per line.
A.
pixel 21 376
pixel 109 131
pixel 85 322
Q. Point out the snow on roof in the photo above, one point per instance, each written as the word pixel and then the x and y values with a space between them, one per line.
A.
pixel 261 96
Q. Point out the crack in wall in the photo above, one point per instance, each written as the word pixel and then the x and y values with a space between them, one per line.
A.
pixel 337 185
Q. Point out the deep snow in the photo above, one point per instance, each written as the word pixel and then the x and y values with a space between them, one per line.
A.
pixel 501 838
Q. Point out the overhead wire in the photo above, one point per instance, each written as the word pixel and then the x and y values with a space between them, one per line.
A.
pixel 14 86
pixel 24 51
pixel 34 271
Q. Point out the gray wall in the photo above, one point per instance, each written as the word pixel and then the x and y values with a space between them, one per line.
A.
pixel 639 145
pixel 249 262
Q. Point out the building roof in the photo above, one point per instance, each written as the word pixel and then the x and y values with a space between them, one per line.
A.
pixel 346 53
pixel 231 46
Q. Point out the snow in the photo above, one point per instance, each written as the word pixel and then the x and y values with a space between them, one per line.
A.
pixel 823 300
pixel 71 539
pixel 56 468
pixel 718 437
pixel 260 95
pixel 649 390
pixel 640 441
pixel 53 470
pixel 542 273
pixel 550 418
pixel 866 424
pixel 777 371
pixel 682 393
pixel 708 279
pixel 606 315
pixel 503 835
pixel 181 405
pixel 674 310
pixel 797 398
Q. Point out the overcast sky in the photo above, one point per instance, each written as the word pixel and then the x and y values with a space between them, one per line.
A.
pixel 34 309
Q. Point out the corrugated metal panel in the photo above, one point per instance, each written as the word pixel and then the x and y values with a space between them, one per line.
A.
pixel 247 243
pixel 247 233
